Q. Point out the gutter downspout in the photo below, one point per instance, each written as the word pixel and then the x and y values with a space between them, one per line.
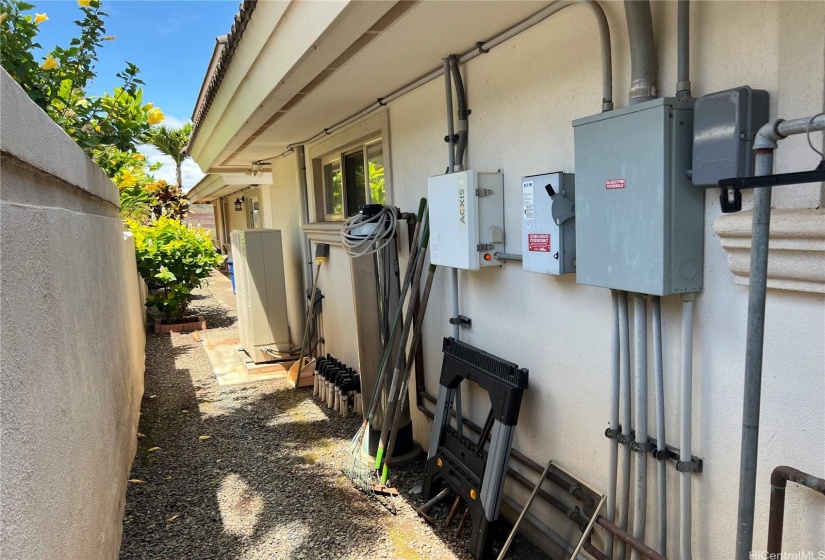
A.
pixel 764 145
pixel 642 51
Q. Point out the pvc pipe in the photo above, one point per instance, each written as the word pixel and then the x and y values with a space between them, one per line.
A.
pixel 538 17
pixel 640 351
pixel 661 464
pixel 463 113
pixel 613 461
pixel 753 357
pixel 686 420
pixel 448 89
pixel 683 50
pixel 642 51
pixel 624 353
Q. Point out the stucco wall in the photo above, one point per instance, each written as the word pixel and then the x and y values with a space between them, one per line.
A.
pixel 524 95
pixel 281 204
pixel 72 356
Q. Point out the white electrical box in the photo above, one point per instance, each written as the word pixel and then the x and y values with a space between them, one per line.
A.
pixel 466 219
pixel 548 226
pixel 261 291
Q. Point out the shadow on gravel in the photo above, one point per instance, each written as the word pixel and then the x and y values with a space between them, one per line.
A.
pixel 267 483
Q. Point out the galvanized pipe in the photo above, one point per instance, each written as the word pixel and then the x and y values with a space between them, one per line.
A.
pixel 640 351
pixel 624 353
pixel 779 479
pixel 635 544
pixel 507 257
pixel 659 384
pixel 613 460
pixel 642 51
pixel 686 422
pixel 683 50
pixel 764 144
pixel 753 357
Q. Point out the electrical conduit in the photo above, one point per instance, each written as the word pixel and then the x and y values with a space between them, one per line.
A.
pixel 624 353
pixel 640 498
pixel 642 51
pixel 613 462
pixel 659 383
pixel 686 414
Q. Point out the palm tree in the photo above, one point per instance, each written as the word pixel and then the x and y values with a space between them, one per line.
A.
pixel 171 141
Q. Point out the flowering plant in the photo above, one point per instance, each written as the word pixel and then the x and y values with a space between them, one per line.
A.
pixel 58 84
pixel 175 258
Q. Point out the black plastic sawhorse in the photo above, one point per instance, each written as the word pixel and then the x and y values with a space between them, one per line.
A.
pixel 475 474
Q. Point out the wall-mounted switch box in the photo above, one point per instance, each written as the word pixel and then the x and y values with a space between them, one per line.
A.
pixel 466 219
pixel 548 223
pixel 639 219
pixel 724 127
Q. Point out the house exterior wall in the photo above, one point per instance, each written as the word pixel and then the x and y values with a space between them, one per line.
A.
pixel 524 95
pixel 72 356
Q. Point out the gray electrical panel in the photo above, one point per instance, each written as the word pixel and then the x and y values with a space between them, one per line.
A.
pixel 724 126
pixel 639 219
pixel 548 226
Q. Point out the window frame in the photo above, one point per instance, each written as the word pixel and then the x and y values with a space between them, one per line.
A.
pixel 363 133
pixel 340 156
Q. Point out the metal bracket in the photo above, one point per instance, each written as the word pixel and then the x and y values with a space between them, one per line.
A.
pixel 453 138
pixel 613 434
pixel 481 247
pixel 483 192
pixel 642 446
pixel 480 44
pixel 690 466
pixel 731 199
pixel 461 321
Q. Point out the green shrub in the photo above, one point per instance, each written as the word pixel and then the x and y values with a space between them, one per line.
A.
pixel 175 259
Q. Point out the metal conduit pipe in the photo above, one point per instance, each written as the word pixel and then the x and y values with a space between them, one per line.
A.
pixel 779 479
pixel 764 144
pixel 686 421
pixel 624 353
pixel 484 48
pixel 507 257
pixel 683 50
pixel 642 51
pixel 634 543
pixel 640 496
pixel 613 461
pixel 661 464
pixel 623 536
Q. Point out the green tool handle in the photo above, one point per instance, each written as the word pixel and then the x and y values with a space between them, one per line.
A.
pixel 379 384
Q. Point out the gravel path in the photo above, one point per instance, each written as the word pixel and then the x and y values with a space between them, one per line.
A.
pixel 255 471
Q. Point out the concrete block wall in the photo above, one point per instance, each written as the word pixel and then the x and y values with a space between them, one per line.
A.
pixel 71 343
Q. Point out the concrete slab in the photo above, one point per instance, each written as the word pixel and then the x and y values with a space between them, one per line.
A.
pixel 229 362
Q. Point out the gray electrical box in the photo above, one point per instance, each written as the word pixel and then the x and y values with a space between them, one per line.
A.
pixel 639 219
pixel 548 226
pixel 724 126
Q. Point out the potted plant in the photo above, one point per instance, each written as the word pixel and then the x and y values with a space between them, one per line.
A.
pixel 176 259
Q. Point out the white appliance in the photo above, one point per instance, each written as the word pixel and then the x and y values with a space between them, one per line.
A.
pixel 261 291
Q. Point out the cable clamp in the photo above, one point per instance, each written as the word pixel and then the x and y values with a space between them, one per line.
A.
pixel 461 321
pixel 689 466
pixel 613 434
pixel 642 446
pixel 381 101
pixel 481 50
pixel 623 439
pixel 661 454
pixel 453 138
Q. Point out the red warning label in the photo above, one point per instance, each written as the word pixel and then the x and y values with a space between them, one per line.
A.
pixel 614 184
pixel 538 242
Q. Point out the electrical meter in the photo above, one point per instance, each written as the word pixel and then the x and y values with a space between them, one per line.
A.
pixel 548 223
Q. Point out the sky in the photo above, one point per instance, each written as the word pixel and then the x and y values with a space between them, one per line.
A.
pixel 170 41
